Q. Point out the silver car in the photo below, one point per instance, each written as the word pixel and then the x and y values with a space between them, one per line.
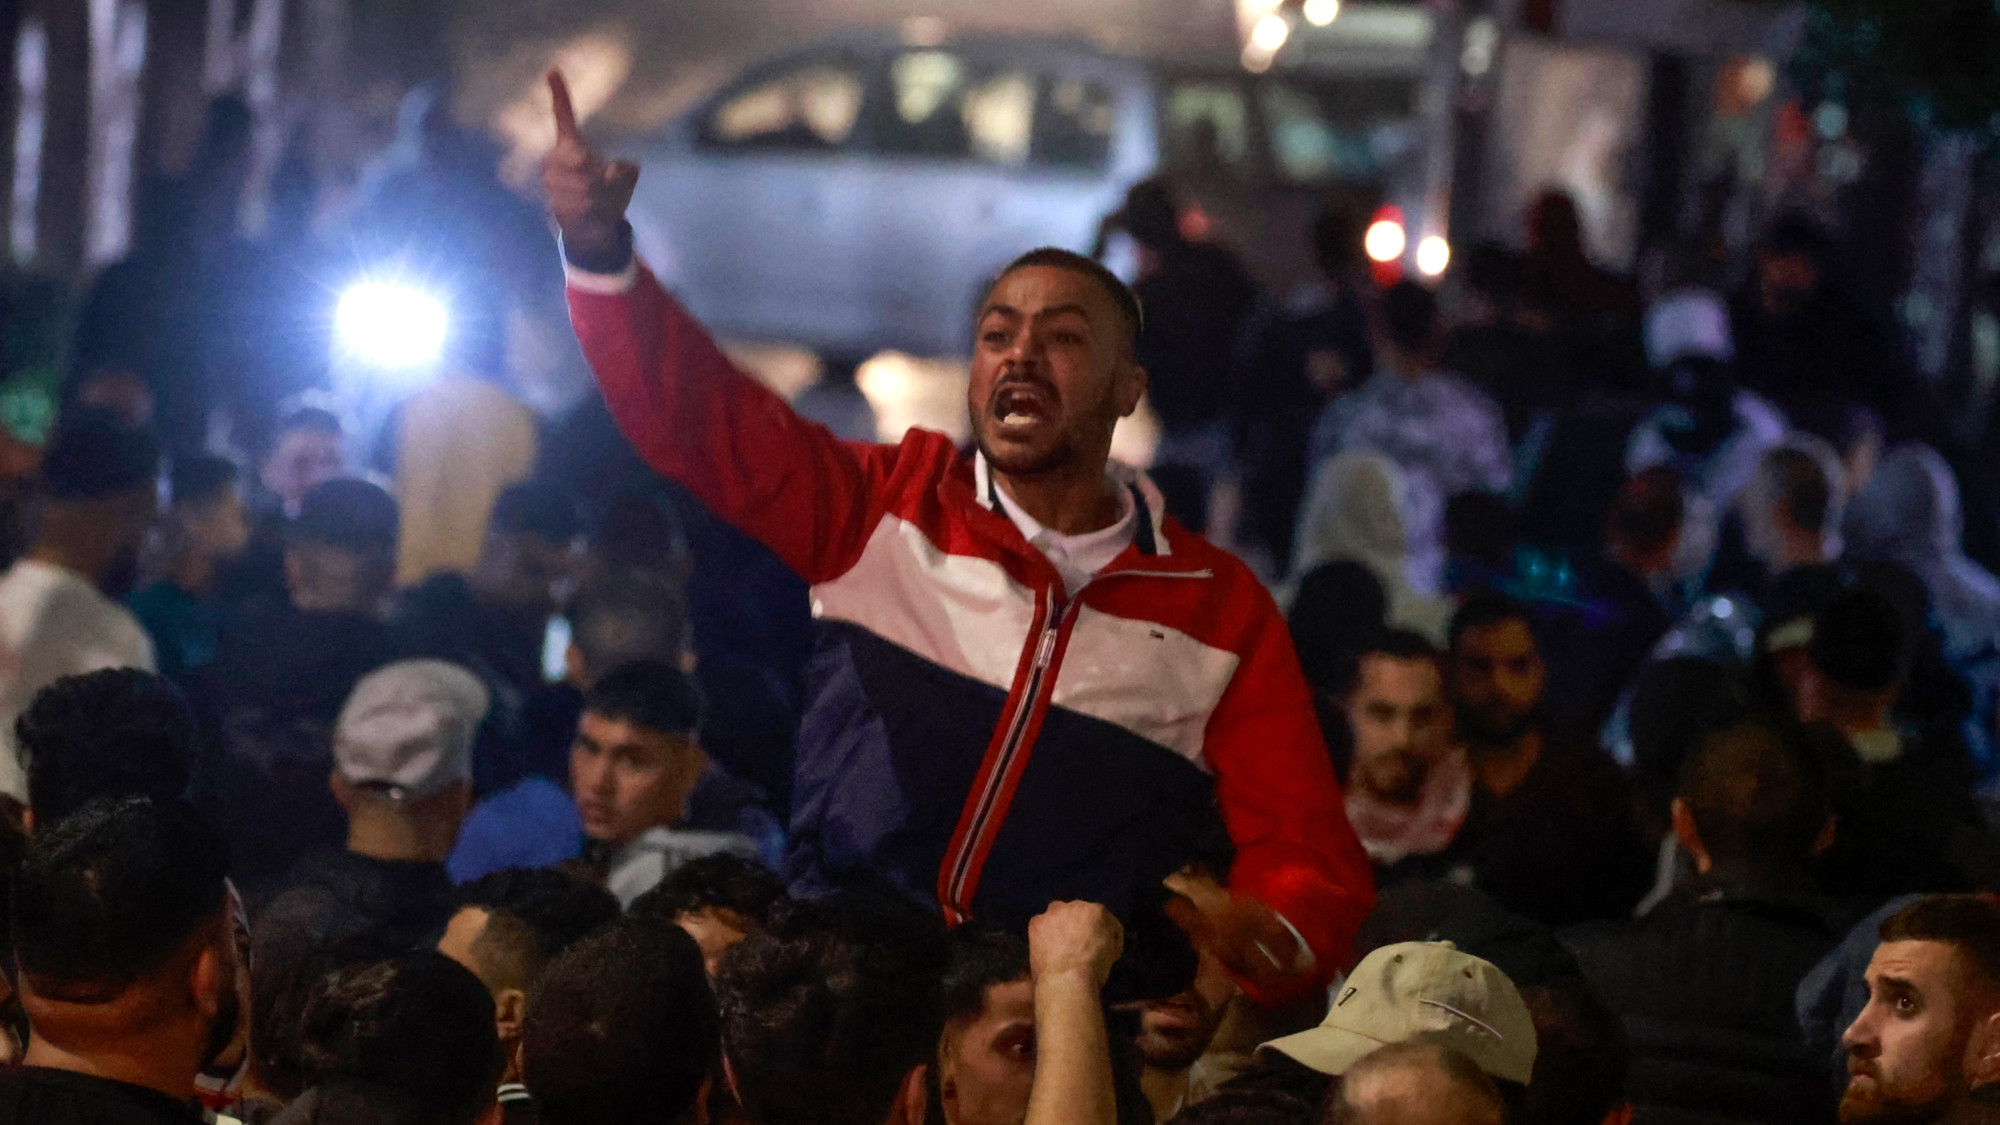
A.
pixel 853 196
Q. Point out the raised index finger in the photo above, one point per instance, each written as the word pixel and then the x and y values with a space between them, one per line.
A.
pixel 566 129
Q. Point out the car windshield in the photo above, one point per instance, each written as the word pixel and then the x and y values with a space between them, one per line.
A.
pixel 1326 130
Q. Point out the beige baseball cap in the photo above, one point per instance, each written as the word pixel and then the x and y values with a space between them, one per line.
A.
pixel 1421 988
pixel 408 728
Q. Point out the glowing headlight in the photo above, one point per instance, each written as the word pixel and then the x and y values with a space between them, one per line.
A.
pixel 391 325
pixel 1385 240
pixel 1433 256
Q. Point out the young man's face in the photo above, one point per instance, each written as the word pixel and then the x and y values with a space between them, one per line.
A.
pixel 1400 725
pixel 303 458
pixel 986 1063
pixel 220 529
pixel 1175 1033
pixel 628 778
pixel 1052 372
pixel 1497 680
pixel 1908 1050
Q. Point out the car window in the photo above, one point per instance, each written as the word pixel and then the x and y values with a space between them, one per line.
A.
pixel 811 108
pixel 1330 131
pixel 1207 126
pixel 939 106
pixel 1075 126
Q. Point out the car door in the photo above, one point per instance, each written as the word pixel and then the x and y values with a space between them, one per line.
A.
pixel 754 218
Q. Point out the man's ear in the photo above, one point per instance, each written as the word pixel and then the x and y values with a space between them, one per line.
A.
pixel 342 790
pixel 913 1101
pixel 1829 834
pixel 1132 385
pixel 211 976
pixel 1982 1051
pixel 510 1011
pixel 1690 837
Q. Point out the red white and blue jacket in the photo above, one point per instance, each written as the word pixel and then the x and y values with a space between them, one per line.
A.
pixel 971 732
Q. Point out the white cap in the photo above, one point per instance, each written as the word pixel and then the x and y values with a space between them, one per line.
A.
pixel 409 728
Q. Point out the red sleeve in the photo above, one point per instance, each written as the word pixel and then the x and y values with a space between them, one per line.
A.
pixel 1282 803
pixel 694 416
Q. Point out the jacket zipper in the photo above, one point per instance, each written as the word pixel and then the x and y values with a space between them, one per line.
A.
pixel 1016 731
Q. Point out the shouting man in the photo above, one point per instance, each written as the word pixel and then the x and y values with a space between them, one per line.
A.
pixel 1032 684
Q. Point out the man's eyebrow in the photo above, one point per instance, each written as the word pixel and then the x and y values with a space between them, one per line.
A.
pixel 1052 310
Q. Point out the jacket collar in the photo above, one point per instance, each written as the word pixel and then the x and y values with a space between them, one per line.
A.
pixel 1149 506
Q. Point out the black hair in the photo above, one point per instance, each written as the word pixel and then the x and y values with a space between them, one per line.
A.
pixel 280 989
pixel 418 1028
pixel 349 514
pixel 1859 642
pixel 116 733
pixel 978 959
pixel 1389 644
pixel 626 618
pixel 1151 217
pixel 1757 796
pixel 544 510
pixel 107 894
pixel 621 1028
pixel 1127 302
pixel 1648 511
pixel 1338 609
pixel 316 419
pixel 716 881
pixel 533 916
pixel 1409 314
pixel 1484 611
pixel 202 480
pixel 1969 922
pixel 1582 1055
pixel 1801 485
pixel 827 1011
pixel 650 694
pixel 1675 704
pixel 94 454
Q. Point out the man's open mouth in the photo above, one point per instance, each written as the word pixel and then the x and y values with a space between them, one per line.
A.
pixel 1022 405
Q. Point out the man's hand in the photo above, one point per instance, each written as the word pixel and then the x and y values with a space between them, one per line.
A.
pixel 1245 935
pixel 587 195
pixel 1074 937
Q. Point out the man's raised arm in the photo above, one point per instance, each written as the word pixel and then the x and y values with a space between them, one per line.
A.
pixel 690 413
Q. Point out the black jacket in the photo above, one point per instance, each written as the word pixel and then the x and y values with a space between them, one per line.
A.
pixel 1705 984
pixel 349 900
pixel 38 1096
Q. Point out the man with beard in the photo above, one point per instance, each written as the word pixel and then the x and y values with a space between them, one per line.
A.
pixel 123 937
pixel 1408 787
pixel 1175 1034
pixel 1551 832
pixel 1031 683
pixel 59 614
pixel 1927 1046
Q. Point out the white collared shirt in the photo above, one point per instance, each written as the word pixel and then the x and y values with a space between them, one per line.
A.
pixel 1077 557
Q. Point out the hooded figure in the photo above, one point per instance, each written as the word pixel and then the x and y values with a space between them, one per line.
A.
pixel 1909 513
pixel 1361 507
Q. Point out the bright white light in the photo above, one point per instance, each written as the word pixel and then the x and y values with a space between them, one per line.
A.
pixel 391 325
pixel 1319 13
pixel 1270 33
pixel 1385 240
pixel 1255 60
pixel 1433 256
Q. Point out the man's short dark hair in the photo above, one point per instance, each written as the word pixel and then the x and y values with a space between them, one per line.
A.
pixel 107 895
pixel 533 917
pixel 352 515
pixel 202 481
pixel 1583 1057
pixel 1249 1105
pixel 1859 642
pixel 1339 607
pixel 547 511
pixel 1757 797
pixel 621 1028
pixel 628 617
pixel 1484 612
pixel 1409 315
pixel 1800 484
pixel 94 454
pixel 979 958
pixel 412 1038
pixel 826 1012
pixel 116 733
pixel 1389 644
pixel 1969 922
pixel 1051 257
pixel 651 695
pixel 720 881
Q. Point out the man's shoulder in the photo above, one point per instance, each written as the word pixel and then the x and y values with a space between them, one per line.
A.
pixel 47 1096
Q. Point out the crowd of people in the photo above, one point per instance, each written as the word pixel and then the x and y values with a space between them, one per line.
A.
pixel 1618 754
